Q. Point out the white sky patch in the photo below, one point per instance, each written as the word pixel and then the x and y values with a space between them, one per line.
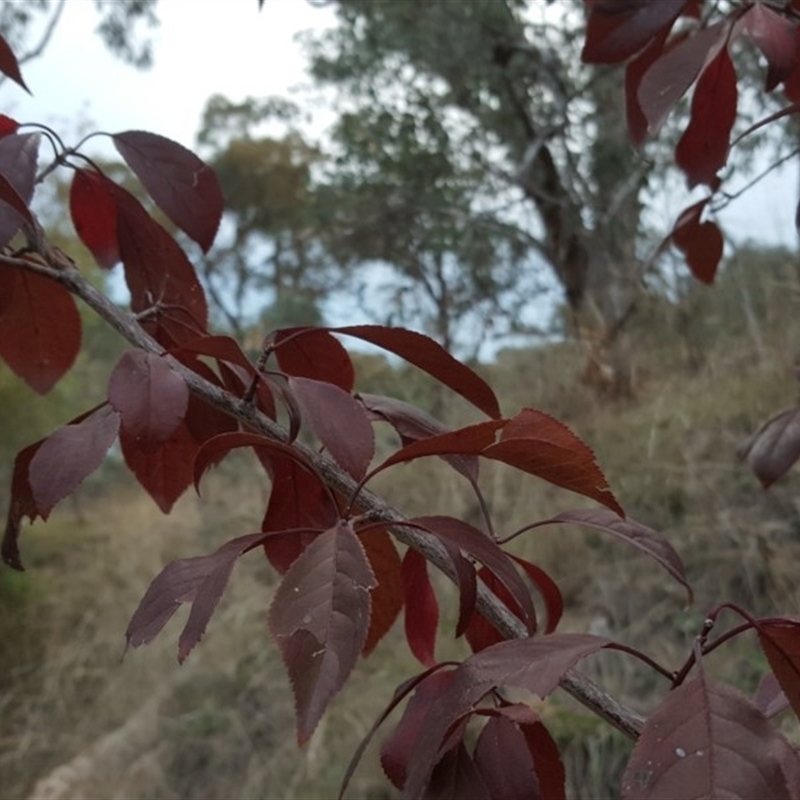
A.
pixel 201 47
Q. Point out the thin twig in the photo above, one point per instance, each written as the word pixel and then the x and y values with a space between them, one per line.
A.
pixel 45 40
pixel 729 197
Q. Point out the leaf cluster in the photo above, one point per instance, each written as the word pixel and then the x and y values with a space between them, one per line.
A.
pixel 182 398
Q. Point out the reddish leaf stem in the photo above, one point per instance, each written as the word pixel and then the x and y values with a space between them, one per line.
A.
pixel 652 663
pixel 487 517
pixel 524 529
pixel 701 638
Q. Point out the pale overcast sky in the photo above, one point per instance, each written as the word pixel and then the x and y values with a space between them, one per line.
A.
pixel 201 47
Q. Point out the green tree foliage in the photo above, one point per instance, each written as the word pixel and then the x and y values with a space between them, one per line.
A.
pixel 503 79
pixel 268 260
pixel 410 193
pixel 507 75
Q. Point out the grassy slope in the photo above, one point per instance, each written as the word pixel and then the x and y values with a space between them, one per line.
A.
pixel 224 726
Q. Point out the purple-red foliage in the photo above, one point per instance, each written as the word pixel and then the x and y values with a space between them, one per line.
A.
pixel 183 398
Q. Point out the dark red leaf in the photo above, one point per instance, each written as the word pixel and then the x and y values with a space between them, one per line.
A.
pixel 791 86
pixel 320 618
pixel 548 589
pixel 706 740
pixel 775 35
pixel 21 505
pixel 70 455
pixel 164 471
pixel 670 77
pixel 780 641
pixel 774 447
pixel 769 698
pixel 224 349
pixel 539 444
pixel 467 583
pixel 535 664
pixel 214 450
pixel 634 72
pixel 237 380
pixel 431 357
pixel 547 761
pixel 7 125
pixel 314 353
pixel 400 694
pixel 200 581
pixel 694 9
pixel 9 195
pixel 548 768
pixel 387 596
pixel 40 327
pixel 412 423
pixel 149 395
pixel 504 761
pixel 617 30
pixel 472 440
pixel 183 187
pixel 703 149
pixel 282 551
pixel 688 218
pixel 790 764
pixel 204 421
pixel 339 422
pixel 159 276
pixel 421 608
pixel 396 749
pixel 221 348
pixel 640 536
pixel 282 393
pixel 94 215
pixel 18 158
pixel 487 552
pixel 700 242
pixel 297 500
pixel 456 776
pixel 236 369
pixel 480 633
pixel 9 65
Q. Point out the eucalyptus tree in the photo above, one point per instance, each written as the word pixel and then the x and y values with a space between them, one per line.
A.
pixel 405 194
pixel 507 77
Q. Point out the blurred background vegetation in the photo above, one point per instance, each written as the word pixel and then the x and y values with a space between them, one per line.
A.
pixel 222 725
pixel 427 204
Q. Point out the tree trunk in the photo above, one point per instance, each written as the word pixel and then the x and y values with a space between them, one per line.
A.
pixel 614 270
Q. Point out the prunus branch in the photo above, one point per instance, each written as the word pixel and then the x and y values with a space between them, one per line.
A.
pixel 60 269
